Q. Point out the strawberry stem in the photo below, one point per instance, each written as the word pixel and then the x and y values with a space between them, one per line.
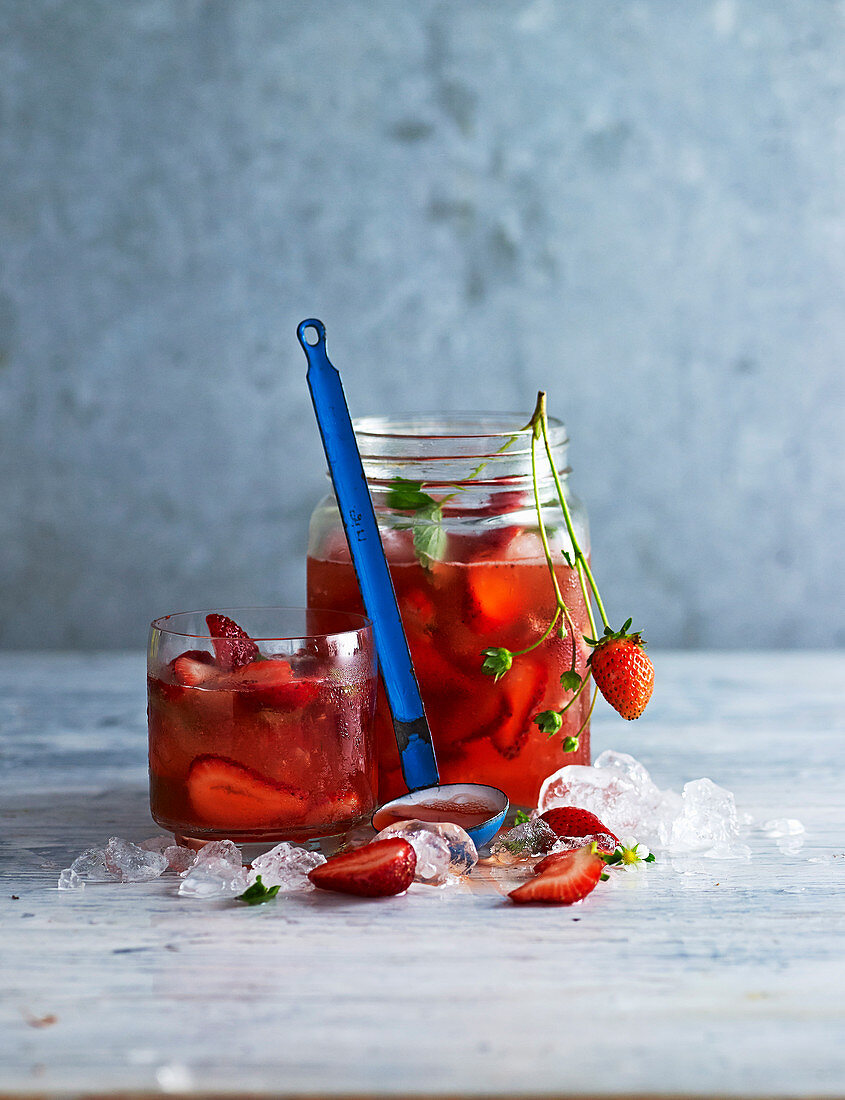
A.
pixel 583 725
pixel 540 524
pixel 581 562
pixel 541 639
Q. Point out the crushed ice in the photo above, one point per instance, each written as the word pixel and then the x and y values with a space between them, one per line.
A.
pixel 525 841
pixel 215 871
pixel 214 877
pixel 287 867
pixel 702 820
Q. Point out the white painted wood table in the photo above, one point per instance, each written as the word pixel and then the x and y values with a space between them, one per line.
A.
pixel 727 980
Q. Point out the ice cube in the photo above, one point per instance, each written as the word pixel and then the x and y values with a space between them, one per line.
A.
pixel 70 880
pixel 433 855
pixel 604 842
pixel 286 866
pixel 620 792
pixel 179 858
pixel 707 820
pixel 129 863
pixel 156 843
pixel 91 865
pixel 525 841
pixel 462 853
pixel 220 849
pixel 214 877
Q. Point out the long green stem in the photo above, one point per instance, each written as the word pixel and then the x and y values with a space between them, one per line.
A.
pixel 583 725
pixel 540 524
pixel 586 596
pixel 579 555
pixel 540 640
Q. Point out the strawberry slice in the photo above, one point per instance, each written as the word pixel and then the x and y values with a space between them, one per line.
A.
pixel 573 821
pixel 228 795
pixel 377 870
pixel 271 683
pixel 555 860
pixel 568 880
pixel 193 668
pixel 522 689
pixel 233 647
pixel 494 600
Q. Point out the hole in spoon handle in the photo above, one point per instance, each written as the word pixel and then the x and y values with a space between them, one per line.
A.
pixel 312 334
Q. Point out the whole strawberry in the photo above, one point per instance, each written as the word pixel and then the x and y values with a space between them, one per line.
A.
pixel 622 671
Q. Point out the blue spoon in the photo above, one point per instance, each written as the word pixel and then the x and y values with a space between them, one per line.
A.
pixel 413 737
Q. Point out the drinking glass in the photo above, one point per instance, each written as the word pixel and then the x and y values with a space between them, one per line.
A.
pixel 262 734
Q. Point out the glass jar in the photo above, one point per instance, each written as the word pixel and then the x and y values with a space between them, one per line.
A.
pixel 467 563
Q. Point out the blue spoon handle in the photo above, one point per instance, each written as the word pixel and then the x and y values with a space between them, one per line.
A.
pixel 413 736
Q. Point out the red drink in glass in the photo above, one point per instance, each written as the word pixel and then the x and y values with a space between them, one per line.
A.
pixel 484 592
pixel 278 747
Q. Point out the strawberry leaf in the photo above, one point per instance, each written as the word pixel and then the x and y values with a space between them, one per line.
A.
pixel 522 818
pixel 570 744
pixel 258 893
pixel 570 680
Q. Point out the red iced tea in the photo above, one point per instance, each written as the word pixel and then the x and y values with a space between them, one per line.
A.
pixel 277 748
pixel 490 590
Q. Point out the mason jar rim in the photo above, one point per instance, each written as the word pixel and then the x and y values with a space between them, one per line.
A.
pixel 357 623
pixel 488 425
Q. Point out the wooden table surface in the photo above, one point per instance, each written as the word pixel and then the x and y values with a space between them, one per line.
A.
pixel 709 979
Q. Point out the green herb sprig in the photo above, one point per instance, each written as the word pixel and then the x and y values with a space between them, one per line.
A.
pixel 258 893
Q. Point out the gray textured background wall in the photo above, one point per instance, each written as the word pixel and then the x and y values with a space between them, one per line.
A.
pixel 638 206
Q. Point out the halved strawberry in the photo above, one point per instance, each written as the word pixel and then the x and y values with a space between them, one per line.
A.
pixel 494 600
pixel 228 795
pixel 555 860
pixel 233 647
pixel 377 870
pixel 573 821
pixel 567 881
pixel 521 690
pixel 193 668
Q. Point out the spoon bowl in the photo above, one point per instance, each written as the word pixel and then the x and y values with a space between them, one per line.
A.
pixel 477 808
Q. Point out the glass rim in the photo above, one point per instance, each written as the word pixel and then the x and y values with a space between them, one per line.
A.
pixel 492 425
pixel 363 623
